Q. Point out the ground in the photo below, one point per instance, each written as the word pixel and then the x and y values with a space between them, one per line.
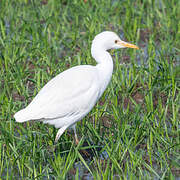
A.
pixel 133 131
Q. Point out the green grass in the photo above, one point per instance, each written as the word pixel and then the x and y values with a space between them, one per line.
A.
pixel 136 122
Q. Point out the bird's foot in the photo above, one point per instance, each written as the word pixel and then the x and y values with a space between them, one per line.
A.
pixel 84 153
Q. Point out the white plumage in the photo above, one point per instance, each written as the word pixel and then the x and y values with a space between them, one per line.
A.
pixel 70 96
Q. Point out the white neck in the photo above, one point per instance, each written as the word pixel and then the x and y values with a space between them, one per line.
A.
pixel 104 66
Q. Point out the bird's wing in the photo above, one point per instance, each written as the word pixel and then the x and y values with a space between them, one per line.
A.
pixel 70 92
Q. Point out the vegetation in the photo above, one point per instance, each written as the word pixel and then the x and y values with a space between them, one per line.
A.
pixel 133 131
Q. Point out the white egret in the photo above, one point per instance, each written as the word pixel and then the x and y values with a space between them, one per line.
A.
pixel 71 95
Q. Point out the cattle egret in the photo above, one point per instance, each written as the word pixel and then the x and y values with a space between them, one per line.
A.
pixel 71 95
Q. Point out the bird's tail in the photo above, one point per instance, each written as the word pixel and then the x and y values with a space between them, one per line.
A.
pixel 20 116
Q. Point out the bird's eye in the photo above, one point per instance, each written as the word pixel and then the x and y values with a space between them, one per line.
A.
pixel 116 41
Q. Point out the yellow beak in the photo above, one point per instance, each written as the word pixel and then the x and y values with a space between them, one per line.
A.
pixel 125 44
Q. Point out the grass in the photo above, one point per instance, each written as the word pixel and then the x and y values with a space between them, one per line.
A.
pixel 134 128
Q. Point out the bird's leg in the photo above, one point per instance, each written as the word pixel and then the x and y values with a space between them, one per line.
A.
pixel 75 135
pixel 77 142
pixel 60 132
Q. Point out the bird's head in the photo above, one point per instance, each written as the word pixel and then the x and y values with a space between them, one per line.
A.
pixel 110 40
